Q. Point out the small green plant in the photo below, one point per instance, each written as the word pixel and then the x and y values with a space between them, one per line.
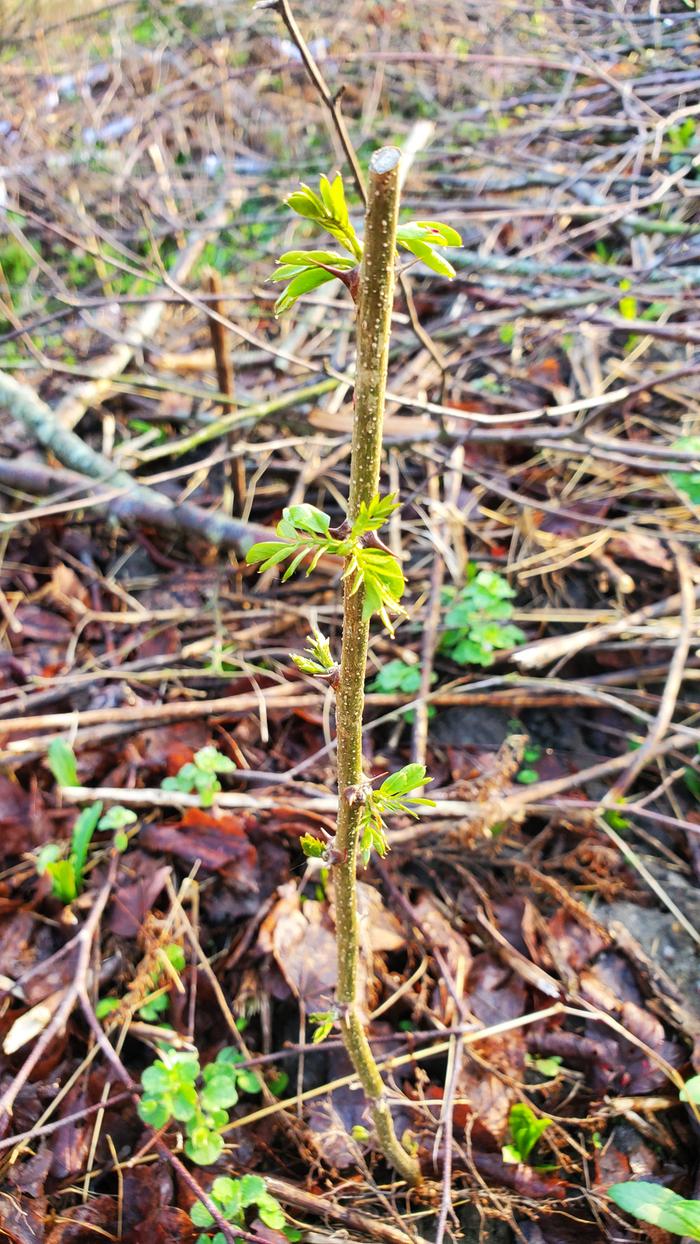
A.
pixel 687 481
pixel 373 579
pixel 525 1131
pixel 175 1087
pixel 67 871
pixel 66 865
pixel 200 775
pixel 477 619
pixel 62 763
pixel 548 1066
pixel 680 137
pixel 232 1198
pixel 527 775
pixel 659 1206
pixel 398 675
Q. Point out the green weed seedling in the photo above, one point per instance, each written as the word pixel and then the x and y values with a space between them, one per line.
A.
pixel 398 675
pixel 525 1131
pixel 527 775
pixel 687 481
pixel 200 775
pixel 373 580
pixel 659 1206
pixel 232 1198
pixel 67 871
pixel 175 1087
pixel 477 619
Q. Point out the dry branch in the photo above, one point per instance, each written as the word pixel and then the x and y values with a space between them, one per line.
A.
pixel 134 502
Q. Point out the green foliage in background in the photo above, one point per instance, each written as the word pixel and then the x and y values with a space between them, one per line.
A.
pixel 200 775
pixel 477 619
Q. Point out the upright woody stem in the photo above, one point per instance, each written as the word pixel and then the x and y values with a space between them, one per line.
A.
pixel 373 332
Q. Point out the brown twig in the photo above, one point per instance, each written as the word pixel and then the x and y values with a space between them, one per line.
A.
pixel 235 466
pixel 132 501
pixel 688 596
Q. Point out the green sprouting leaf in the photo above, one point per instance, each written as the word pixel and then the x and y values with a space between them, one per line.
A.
pixel 397 675
pixel 307 518
pixel 659 1206
pixel 151 1011
pixel 307 259
pixel 228 1059
pixel 691 1090
pixel 105 1006
pixel 303 283
pixel 64 884
pixel 359 1132
pixel 48 855
pixel 117 817
pixel 329 211
pixel 313 848
pixel 477 619
pixel 184 1102
pixel 265 550
pixel 248 1081
pixel 616 820
pixel 548 1067
pixel 405 780
pixel 440 234
pixel 525 1129
pixel 200 1215
pixel 319 659
pixel 271 1213
pixel 62 763
pixel 210 760
pixel 687 481
pixel 204 1146
pixel 83 830
pixel 252 1189
pixel 219 1093
pixel 227 1193
pixel 324 1021
pixel 154 1112
pixel 382 578
pixel 430 257
pixel 279 1084
pixel 420 237
pixel 372 516
pixel 527 777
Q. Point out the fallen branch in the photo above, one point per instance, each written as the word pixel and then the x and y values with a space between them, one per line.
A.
pixel 133 502
pixel 560 646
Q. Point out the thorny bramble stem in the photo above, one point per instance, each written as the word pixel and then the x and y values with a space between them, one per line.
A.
pixel 373 331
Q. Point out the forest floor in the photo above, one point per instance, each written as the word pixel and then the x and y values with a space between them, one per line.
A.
pixel 532 941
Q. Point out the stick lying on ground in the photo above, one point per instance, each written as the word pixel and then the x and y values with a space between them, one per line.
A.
pixel 134 502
